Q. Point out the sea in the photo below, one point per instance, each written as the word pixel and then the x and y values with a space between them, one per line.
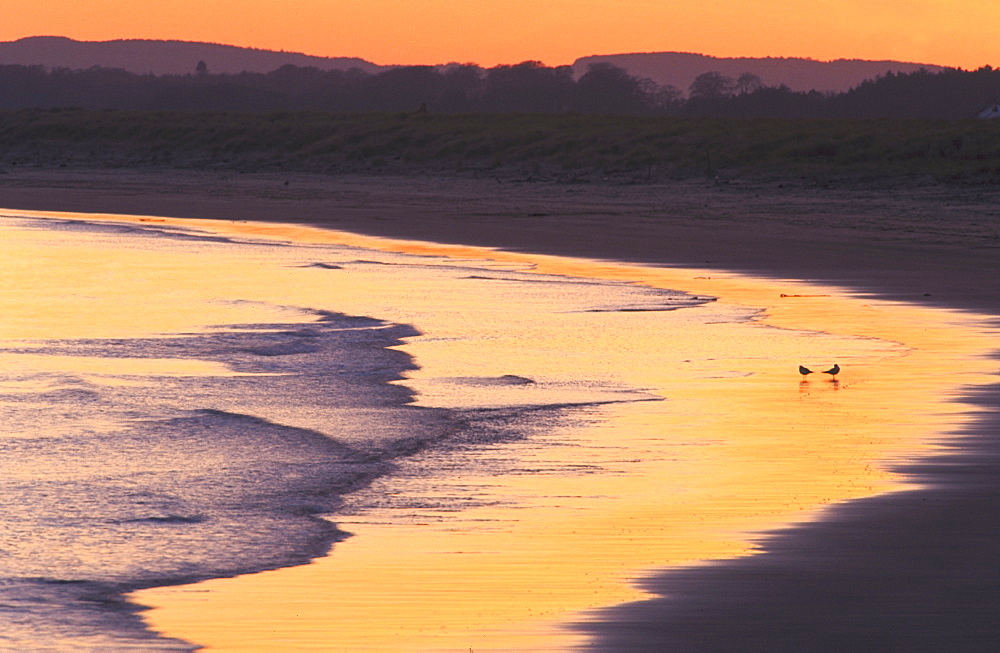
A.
pixel 189 401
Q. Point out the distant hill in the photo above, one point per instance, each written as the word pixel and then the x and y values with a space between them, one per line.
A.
pixel 680 69
pixel 162 57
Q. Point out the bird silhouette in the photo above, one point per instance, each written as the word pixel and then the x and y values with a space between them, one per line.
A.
pixel 833 371
pixel 803 370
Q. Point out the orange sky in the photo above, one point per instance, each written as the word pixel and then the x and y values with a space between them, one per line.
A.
pixel 948 32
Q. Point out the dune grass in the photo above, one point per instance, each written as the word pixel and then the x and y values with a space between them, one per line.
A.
pixel 565 145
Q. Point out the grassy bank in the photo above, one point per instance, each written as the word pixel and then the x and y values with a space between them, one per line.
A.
pixel 560 146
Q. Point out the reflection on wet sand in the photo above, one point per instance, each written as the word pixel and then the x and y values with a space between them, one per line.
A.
pixel 498 546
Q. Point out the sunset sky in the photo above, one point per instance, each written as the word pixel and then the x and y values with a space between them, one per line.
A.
pixel 948 32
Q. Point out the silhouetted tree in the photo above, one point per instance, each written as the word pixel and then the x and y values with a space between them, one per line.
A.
pixel 463 88
pixel 201 69
pixel 528 87
pixel 748 83
pixel 606 88
pixel 664 99
pixel 405 89
pixel 711 85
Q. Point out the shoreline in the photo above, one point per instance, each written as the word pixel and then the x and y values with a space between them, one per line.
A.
pixel 941 246
pixel 182 609
pixel 89 383
pixel 954 267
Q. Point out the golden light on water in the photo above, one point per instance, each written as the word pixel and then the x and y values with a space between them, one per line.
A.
pixel 502 556
pixel 113 369
pixel 40 300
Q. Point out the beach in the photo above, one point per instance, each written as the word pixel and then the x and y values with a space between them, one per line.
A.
pixel 905 239
pixel 822 584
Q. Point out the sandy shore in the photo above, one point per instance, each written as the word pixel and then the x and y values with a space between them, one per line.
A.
pixel 936 244
pixel 911 570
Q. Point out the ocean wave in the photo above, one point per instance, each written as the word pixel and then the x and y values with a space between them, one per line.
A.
pixel 168 480
pixel 151 478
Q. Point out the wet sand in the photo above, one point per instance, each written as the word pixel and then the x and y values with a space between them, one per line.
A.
pixel 908 570
pixel 937 245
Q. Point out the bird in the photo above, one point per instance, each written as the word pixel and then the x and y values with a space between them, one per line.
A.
pixel 803 370
pixel 833 371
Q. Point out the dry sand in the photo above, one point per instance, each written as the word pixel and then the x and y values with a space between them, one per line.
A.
pixel 913 570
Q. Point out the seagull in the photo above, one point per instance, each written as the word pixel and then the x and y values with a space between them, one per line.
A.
pixel 803 370
pixel 833 371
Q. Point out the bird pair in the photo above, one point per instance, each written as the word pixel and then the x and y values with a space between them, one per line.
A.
pixel 833 371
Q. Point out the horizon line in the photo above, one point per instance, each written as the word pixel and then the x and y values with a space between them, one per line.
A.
pixel 454 62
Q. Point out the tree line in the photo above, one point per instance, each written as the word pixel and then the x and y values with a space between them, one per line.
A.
pixel 528 87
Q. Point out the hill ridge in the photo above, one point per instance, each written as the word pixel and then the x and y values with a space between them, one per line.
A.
pixel 163 57
pixel 680 69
